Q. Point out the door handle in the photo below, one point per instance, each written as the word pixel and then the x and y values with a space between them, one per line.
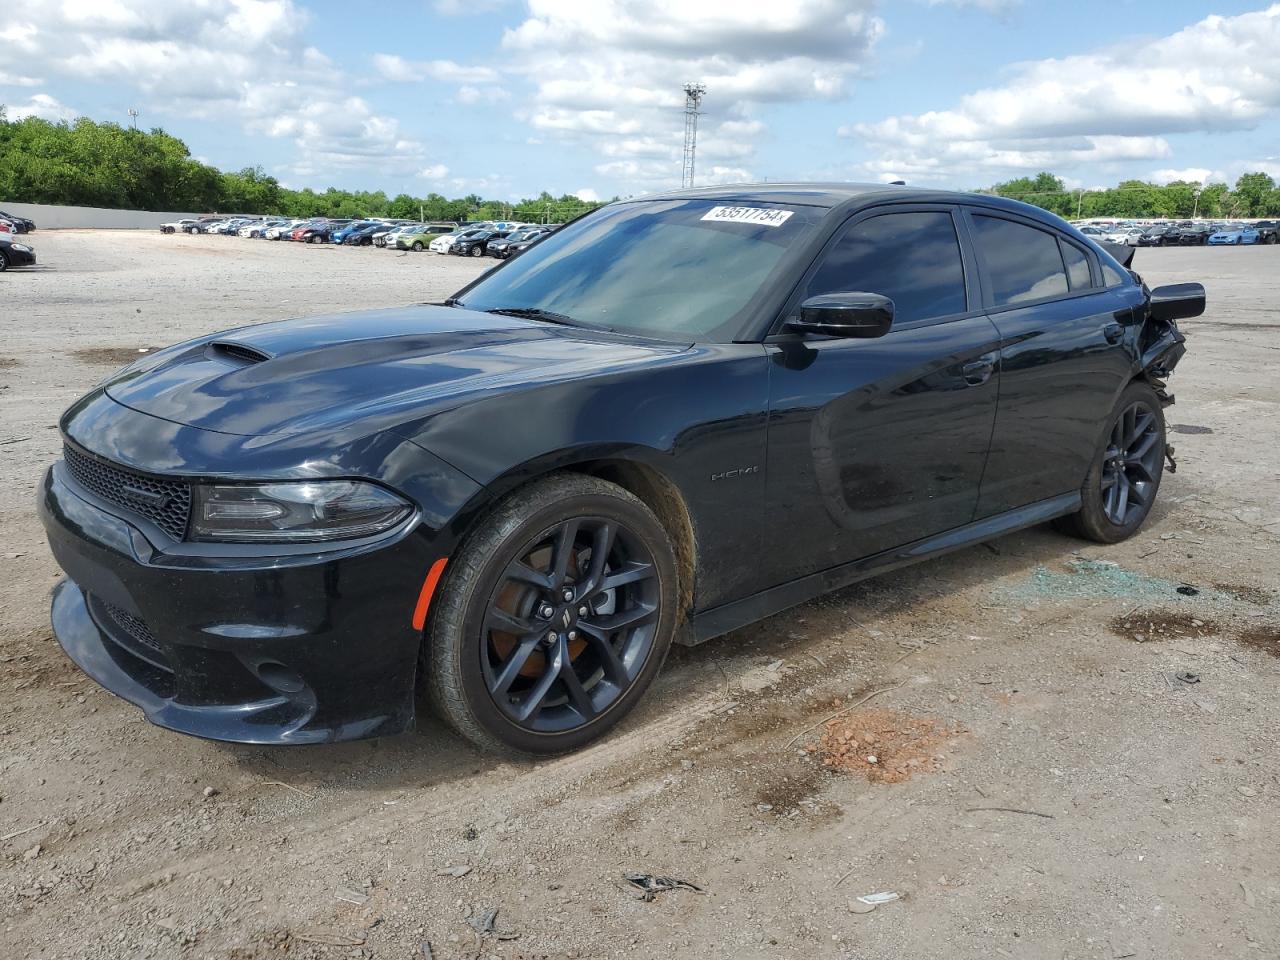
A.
pixel 978 372
pixel 1113 332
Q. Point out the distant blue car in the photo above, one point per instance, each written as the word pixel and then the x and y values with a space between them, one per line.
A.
pixel 339 236
pixel 1237 235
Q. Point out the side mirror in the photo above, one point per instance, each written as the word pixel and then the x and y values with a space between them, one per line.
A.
pixel 1177 301
pixel 845 315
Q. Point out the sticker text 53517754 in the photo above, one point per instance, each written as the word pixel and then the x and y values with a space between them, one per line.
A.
pixel 761 216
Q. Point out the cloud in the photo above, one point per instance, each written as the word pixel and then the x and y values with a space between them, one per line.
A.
pixel 469 95
pixel 1118 103
pixel 587 195
pixel 459 8
pixel 16 80
pixel 999 8
pixel 41 106
pixel 240 60
pixel 400 70
pixel 608 74
pixel 1188 174
pixel 437 171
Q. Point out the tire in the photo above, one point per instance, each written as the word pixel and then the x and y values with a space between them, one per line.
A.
pixel 538 711
pixel 417 247
pixel 1107 517
pixel 477 252
pixel 4 262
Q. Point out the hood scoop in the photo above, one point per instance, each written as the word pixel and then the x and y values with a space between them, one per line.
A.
pixel 237 352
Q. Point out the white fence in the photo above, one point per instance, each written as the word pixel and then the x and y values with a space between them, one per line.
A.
pixel 50 217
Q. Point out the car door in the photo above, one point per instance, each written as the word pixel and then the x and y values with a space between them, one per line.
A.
pixel 873 443
pixel 1067 345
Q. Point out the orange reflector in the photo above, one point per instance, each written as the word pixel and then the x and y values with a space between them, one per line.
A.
pixel 428 588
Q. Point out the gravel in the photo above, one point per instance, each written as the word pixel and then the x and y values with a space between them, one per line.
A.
pixel 1158 833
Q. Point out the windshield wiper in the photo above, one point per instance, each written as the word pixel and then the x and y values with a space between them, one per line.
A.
pixel 536 313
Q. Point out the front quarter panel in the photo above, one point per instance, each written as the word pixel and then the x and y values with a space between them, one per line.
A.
pixel 698 417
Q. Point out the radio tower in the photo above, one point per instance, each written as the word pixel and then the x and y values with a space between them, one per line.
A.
pixel 693 93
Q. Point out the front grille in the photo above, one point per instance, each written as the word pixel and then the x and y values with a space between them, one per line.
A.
pixel 129 632
pixel 166 503
pixel 135 627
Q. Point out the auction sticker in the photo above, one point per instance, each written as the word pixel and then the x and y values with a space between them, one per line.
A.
pixel 757 215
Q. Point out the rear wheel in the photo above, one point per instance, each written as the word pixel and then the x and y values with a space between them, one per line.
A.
pixel 417 246
pixel 1124 479
pixel 553 617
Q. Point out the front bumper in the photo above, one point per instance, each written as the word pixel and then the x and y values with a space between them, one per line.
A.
pixel 307 648
pixel 20 258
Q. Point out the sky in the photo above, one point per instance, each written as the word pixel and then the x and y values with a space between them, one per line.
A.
pixel 506 99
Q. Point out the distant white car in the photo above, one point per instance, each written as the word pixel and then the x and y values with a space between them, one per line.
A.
pixel 174 226
pixel 442 244
pixel 1123 235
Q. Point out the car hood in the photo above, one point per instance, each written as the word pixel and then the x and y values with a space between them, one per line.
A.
pixel 374 370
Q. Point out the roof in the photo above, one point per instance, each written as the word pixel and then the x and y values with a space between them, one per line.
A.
pixel 836 194
pixel 806 194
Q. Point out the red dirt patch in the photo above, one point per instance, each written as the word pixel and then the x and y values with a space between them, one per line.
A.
pixel 884 746
pixel 1146 626
pixel 1264 637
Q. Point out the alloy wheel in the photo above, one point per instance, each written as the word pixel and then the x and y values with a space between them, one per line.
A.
pixel 570 625
pixel 1130 464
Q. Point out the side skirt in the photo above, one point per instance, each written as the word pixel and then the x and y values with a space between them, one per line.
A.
pixel 732 616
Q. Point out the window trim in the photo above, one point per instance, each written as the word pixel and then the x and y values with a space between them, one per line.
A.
pixel 969 268
pixel 988 297
pixel 1095 271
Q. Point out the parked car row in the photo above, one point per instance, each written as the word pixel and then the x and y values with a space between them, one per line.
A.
pixel 11 223
pixel 1186 233
pixel 496 238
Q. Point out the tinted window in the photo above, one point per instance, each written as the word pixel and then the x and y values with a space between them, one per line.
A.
pixel 1077 266
pixel 676 269
pixel 911 258
pixel 1110 275
pixel 1022 263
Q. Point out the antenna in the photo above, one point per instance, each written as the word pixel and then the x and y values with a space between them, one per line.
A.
pixel 133 114
pixel 693 94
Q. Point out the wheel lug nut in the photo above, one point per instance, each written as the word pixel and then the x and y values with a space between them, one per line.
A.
pixel 567 594
pixel 583 610
pixel 551 638
pixel 545 611
pixel 572 635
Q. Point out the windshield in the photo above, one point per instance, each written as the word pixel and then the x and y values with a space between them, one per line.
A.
pixel 672 269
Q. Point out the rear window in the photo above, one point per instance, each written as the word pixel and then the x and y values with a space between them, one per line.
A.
pixel 1077 266
pixel 1022 263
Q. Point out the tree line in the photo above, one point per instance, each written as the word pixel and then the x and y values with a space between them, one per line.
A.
pixel 90 164
pixel 1254 195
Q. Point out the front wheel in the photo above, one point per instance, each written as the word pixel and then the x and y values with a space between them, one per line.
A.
pixel 417 247
pixel 553 617
pixel 1124 479
pixel 477 252
pixel 4 262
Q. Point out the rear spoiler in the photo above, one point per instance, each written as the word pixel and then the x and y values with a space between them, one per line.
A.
pixel 1121 251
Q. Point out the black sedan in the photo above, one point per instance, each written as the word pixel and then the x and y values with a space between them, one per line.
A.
pixel 20 224
pixel 674 417
pixel 1155 236
pixel 15 253
pixel 502 248
pixel 1196 235
pixel 475 243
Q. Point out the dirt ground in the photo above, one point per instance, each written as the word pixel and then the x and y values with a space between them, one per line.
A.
pixel 1082 760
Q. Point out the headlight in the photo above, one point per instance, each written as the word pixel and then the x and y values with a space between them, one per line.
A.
pixel 20 246
pixel 295 512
